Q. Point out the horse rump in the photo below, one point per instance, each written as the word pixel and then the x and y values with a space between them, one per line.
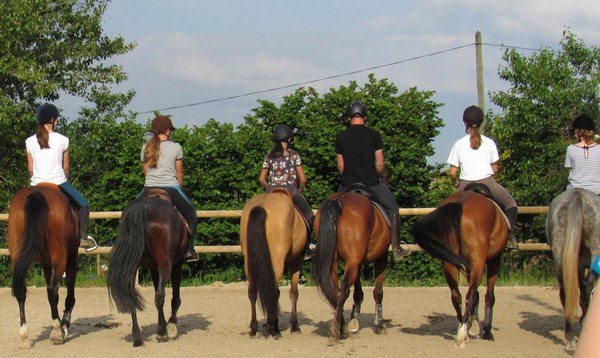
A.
pixel 434 231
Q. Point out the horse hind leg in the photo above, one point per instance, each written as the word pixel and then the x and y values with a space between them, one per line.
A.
pixel 490 299
pixel 358 296
pixel 24 343
pixel 135 330
pixel 295 277
pixel 158 278
pixel 175 302
pixel 71 272
pixel 57 335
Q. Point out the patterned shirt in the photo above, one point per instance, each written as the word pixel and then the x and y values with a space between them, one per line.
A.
pixel 282 170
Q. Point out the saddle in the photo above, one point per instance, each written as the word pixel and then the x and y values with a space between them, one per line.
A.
pixel 289 195
pixel 362 189
pixel 164 195
pixel 485 191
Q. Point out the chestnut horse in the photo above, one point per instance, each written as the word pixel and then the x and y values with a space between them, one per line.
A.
pixel 272 236
pixel 573 232
pixel 468 232
pixel 152 235
pixel 42 227
pixel 351 229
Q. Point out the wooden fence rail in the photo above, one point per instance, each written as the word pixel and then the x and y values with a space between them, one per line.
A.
pixel 529 210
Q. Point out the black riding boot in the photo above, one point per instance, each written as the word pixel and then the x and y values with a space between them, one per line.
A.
pixel 512 243
pixel 307 250
pixel 398 251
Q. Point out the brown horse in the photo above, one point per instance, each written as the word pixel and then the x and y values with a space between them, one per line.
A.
pixel 42 227
pixel 468 232
pixel 272 235
pixel 349 228
pixel 152 235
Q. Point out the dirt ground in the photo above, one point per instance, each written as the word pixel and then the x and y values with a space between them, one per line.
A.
pixel 213 322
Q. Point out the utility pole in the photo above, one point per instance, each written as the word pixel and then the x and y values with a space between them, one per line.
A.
pixel 479 64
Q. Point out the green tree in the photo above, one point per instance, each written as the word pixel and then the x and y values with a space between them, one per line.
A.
pixel 49 49
pixel 547 91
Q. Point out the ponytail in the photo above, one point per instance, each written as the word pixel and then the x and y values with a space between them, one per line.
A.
pixel 152 151
pixel 475 137
pixel 42 136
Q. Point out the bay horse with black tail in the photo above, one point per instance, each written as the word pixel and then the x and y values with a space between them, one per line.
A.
pixel 468 232
pixel 573 232
pixel 351 229
pixel 43 227
pixel 273 236
pixel 152 235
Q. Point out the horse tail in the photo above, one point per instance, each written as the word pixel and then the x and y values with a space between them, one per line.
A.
pixel 329 214
pixel 434 231
pixel 35 231
pixel 260 267
pixel 570 258
pixel 125 258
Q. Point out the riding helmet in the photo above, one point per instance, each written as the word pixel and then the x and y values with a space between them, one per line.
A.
pixel 356 109
pixel 473 115
pixel 161 123
pixel 583 121
pixel 46 112
pixel 282 133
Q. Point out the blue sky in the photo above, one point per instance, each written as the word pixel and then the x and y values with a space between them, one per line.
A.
pixel 195 51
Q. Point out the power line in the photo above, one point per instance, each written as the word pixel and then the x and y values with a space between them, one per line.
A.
pixel 298 84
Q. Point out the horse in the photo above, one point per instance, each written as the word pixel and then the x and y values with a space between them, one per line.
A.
pixel 152 235
pixel 351 229
pixel 468 232
pixel 43 227
pixel 273 235
pixel 573 232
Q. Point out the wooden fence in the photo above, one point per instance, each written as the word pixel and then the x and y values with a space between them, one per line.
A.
pixel 526 210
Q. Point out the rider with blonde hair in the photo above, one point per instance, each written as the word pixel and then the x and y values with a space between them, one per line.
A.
pixel 476 157
pixel 162 163
pixel 583 158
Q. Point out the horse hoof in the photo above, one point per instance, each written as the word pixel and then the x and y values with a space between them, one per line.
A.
pixel 474 329
pixel 353 325
pixel 171 330
pixel 570 346
pixel 25 344
pixel 138 343
pixel 488 336
pixel 380 330
pixel 56 336
pixel 162 338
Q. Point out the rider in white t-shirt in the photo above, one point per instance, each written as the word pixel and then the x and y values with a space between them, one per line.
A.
pixel 48 162
pixel 476 157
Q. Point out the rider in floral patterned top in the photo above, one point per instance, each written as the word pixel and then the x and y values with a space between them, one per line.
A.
pixel 284 168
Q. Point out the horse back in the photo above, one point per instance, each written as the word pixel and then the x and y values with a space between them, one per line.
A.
pixel 166 232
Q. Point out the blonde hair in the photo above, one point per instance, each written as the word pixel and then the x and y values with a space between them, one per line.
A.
pixel 586 134
pixel 475 137
pixel 152 151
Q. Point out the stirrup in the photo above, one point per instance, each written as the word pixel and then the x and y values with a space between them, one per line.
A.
pixel 400 253
pixel 191 256
pixel 88 243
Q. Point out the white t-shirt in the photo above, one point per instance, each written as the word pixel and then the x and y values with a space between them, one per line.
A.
pixel 585 171
pixel 474 164
pixel 48 163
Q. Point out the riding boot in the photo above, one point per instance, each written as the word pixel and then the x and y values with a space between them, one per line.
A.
pixel 512 243
pixel 85 242
pixel 307 250
pixel 399 252
pixel 191 255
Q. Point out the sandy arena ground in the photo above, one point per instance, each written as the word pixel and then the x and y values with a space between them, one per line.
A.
pixel 213 322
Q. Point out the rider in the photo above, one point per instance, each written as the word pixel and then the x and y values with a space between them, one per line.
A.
pixel 48 162
pixel 162 163
pixel 583 158
pixel 477 158
pixel 284 167
pixel 360 160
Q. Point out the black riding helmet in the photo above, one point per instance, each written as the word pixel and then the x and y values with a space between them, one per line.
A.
pixel 356 109
pixel 473 115
pixel 46 112
pixel 282 133
pixel 585 122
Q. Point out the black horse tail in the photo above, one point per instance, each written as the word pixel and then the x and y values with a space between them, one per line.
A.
pixel 125 258
pixel 260 267
pixel 570 258
pixel 32 241
pixel 435 230
pixel 329 213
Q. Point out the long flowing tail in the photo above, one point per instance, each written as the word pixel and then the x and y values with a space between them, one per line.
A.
pixel 260 267
pixel 32 242
pixel 329 214
pixel 125 258
pixel 433 231
pixel 570 258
